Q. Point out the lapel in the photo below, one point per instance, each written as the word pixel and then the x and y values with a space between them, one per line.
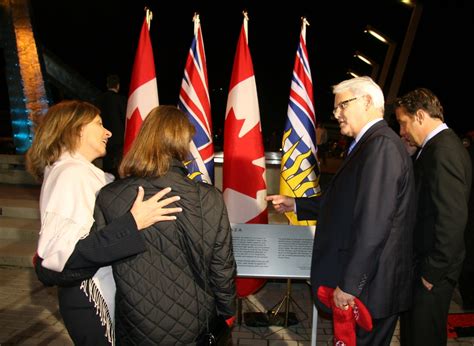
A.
pixel 432 140
pixel 368 134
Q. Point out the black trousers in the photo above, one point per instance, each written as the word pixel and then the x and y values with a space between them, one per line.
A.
pixel 466 280
pixel 381 334
pixel 80 318
pixel 425 323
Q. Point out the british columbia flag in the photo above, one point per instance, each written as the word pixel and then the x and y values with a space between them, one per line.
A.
pixel 299 175
pixel 194 101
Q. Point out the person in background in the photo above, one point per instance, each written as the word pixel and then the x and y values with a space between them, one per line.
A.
pixel 363 243
pixel 321 141
pixel 113 108
pixel 67 140
pixel 185 278
pixel 443 182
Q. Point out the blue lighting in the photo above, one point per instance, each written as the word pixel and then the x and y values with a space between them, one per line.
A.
pixel 21 136
pixel 21 122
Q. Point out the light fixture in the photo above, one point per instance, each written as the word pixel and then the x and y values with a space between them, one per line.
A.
pixel 377 34
pixel 410 3
pixel 364 58
pixel 368 61
pixel 416 10
pixel 352 73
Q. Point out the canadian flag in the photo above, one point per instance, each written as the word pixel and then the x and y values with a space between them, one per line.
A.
pixel 143 93
pixel 244 182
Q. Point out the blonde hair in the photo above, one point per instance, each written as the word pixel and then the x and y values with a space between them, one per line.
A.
pixel 164 135
pixel 58 131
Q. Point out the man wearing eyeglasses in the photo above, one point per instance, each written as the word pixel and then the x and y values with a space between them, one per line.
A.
pixel 363 243
pixel 443 181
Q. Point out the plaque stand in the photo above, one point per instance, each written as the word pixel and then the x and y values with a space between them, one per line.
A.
pixel 256 318
pixel 286 302
pixel 239 311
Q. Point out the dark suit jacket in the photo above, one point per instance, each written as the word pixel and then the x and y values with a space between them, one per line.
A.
pixel 113 108
pixel 443 183
pixel 364 235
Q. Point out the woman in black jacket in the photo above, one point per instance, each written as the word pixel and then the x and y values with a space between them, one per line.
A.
pixel 185 279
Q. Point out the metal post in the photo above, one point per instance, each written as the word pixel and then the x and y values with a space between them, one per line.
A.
pixel 405 52
pixel 287 303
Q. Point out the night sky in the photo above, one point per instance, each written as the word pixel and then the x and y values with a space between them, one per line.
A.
pixel 100 37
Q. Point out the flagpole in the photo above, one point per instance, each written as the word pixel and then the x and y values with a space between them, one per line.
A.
pixel 304 23
pixel 143 91
pixel 194 100
pixel 246 26
pixel 244 182
pixel 197 22
pixel 299 147
pixel 149 17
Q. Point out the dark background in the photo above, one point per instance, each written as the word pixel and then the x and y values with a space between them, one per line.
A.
pixel 100 37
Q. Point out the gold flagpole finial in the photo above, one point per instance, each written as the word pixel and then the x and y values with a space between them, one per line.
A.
pixel 304 21
pixel 197 22
pixel 246 14
pixel 149 17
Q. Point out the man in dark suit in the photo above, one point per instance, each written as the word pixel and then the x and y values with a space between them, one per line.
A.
pixel 113 107
pixel 443 182
pixel 363 242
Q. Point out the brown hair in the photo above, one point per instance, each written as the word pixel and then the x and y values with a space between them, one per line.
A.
pixel 164 135
pixel 421 98
pixel 58 131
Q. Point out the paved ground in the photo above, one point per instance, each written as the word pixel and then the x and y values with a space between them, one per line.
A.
pixel 29 315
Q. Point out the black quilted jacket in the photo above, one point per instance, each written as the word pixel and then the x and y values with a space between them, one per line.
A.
pixel 158 300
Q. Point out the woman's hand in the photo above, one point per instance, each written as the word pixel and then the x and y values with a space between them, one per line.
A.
pixel 153 210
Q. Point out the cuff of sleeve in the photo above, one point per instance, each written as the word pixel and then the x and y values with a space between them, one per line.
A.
pixel 128 220
pixel 118 240
pixel 130 231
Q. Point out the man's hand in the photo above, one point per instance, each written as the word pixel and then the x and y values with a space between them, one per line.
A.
pixel 153 210
pixel 282 204
pixel 342 299
pixel 428 285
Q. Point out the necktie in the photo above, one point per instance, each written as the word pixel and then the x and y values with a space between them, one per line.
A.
pixel 418 153
pixel 351 146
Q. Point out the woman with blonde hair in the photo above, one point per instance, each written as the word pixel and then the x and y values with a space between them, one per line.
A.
pixel 67 140
pixel 184 281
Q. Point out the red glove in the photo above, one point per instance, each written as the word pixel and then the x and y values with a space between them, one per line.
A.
pixel 345 321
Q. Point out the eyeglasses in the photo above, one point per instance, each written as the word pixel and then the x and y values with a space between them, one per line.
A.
pixel 343 105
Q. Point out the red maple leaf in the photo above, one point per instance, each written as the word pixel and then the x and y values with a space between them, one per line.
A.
pixel 240 173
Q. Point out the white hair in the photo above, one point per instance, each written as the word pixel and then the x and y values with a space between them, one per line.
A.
pixel 360 86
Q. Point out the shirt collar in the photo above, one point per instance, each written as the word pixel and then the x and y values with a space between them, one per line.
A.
pixel 433 133
pixel 365 128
